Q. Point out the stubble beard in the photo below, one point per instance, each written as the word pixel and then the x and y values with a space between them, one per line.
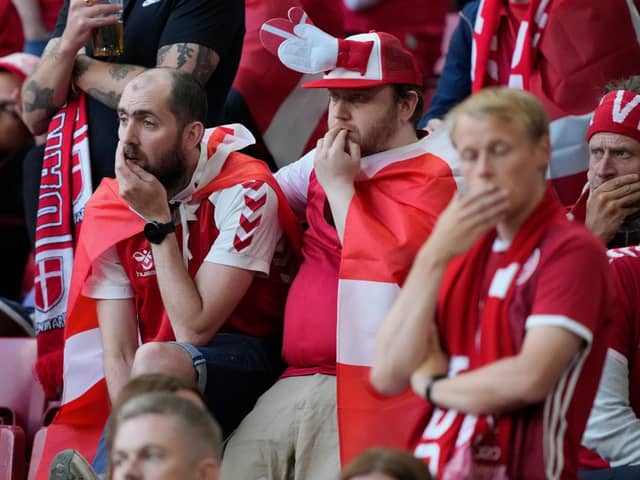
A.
pixel 376 138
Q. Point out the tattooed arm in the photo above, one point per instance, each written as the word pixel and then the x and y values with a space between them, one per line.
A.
pixel 44 92
pixel 105 81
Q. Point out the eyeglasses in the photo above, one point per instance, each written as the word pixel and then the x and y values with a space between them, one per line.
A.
pixel 9 108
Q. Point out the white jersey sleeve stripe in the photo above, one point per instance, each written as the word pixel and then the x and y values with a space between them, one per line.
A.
pixel 560 321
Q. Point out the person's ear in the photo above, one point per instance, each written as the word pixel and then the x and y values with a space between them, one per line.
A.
pixel 192 135
pixel 408 105
pixel 208 469
pixel 543 152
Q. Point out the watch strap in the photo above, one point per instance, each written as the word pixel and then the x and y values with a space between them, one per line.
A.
pixel 433 379
pixel 156 231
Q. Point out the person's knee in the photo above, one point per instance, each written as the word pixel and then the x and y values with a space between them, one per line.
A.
pixel 167 358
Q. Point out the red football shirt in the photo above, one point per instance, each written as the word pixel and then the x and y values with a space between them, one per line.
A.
pixel 565 283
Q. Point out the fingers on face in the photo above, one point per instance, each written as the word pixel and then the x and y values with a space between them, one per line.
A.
pixel 354 149
pixel 485 209
pixel 340 141
pixel 630 199
pixel 618 183
pixel 627 190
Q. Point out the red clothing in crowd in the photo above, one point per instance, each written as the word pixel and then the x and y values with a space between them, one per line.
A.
pixel 418 24
pixel 11 34
pixel 50 10
pixel 309 343
pixel 625 336
pixel 289 119
pixel 613 431
pixel 564 283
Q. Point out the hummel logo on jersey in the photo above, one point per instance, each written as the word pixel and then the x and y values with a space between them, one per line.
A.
pixel 146 3
pixel 145 260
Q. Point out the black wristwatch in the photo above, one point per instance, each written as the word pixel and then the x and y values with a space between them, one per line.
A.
pixel 156 231
pixel 432 380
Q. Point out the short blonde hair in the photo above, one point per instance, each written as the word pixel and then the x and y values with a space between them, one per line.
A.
pixel 195 423
pixel 505 104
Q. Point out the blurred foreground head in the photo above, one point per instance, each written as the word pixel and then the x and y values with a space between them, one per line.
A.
pixel 162 436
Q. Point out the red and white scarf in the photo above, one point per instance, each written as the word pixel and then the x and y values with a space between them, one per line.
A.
pixel 399 195
pixel 485 43
pixel 455 444
pixel 65 187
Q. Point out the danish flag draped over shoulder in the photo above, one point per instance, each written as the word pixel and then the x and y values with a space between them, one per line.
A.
pixel 398 198
pixel 399 195
pixel 85 401
pixel 566 51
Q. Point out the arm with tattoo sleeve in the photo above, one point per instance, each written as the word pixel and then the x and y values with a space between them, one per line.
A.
pixel 105 81
pixel 47 89
pixel 44 92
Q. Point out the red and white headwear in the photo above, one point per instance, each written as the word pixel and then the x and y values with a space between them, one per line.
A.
pixel 22 64
pixel 359 61
pixel 618 112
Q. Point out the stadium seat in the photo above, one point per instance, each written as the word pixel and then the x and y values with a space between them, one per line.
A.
pixel 12 453
pixel 21 394
pixel 36 452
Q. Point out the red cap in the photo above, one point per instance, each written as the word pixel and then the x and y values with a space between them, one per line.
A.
pixel 388 63
pixel 618 112
pixel 22 64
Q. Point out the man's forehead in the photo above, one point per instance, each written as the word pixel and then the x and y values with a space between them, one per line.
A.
pixel 143 96
pixel 372 91
pixel 152 428
pixel 614 140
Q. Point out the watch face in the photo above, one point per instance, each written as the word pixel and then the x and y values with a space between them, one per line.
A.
pixel 155 232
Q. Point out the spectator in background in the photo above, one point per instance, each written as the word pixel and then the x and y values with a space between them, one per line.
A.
pixel 201 37
pixel 385 464
pixel 512 399
pixel 266 96
pixel 15 140
pixel 612 438
pixel 609 206
pixel 38 21
pixel 566 68
pixel 419 25
pixel 11 33
pixel 610 201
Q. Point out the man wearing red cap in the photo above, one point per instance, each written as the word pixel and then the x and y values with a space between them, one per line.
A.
pixel 610 207
pixel 370 193
pixel 611 201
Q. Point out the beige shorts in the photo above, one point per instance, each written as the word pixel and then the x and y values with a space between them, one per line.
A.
pixel 291 433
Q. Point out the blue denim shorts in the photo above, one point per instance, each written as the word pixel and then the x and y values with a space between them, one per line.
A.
pixel 233 370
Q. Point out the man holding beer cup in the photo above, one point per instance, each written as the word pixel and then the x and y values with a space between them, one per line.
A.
pixel 79 81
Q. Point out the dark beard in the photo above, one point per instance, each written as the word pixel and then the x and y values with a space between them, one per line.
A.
pixel 171 172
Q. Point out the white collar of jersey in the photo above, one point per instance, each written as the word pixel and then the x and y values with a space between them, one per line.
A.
pixel 206 170
pixel 436 143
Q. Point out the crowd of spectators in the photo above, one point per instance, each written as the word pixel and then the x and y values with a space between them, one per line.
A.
pixel 260 242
